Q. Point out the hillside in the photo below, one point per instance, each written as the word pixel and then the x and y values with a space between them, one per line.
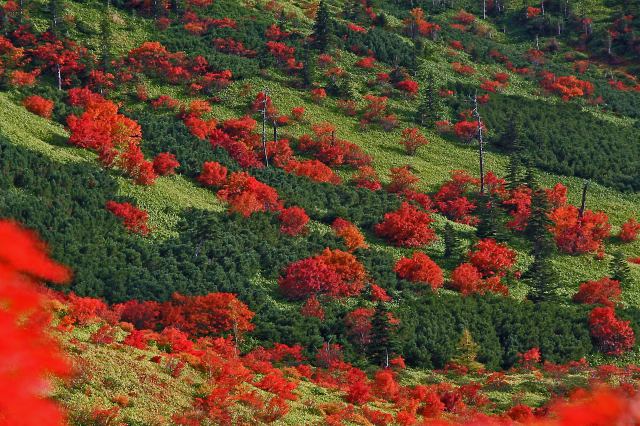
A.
pixel 356 222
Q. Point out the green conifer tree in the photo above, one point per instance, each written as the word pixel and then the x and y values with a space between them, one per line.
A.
pixel 452 247
pixel 322 27
pixel 429 108
pixel 467 352
pixel 541 276
pixel 308 69
pixel 105 36
pixel 491 224
pixel 382 343
pixel 619 268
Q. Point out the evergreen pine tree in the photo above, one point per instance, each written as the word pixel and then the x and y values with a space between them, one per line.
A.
pixel 541 276
pixel 322 27
pixel 308 69
pixel 467 352
pixel 513 171
pixel 511 140
pixel 542 279
pixel 530 176
pixel 428 110
pixel 56 14
pixel 619 268
pixel 381 347
pixel 490 225
pixel 452 246
pixel 105 36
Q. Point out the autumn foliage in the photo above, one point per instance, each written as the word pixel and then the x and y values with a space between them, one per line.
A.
pixel 604 291
pixel 629 231
pixel 333 272
pixel 412 139
pixel 350 234
pixel 492 258
pixel 420 269
pixel 165 164
pixel 574 234
pixel 39 105
pixel 246 195
pixel 134 219
pixel 293 220
pixel 29 356
pixel 213 174
pixel 406 227
pixel 113 136
pixel 612 335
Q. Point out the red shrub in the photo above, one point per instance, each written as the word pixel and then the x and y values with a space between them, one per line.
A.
pixel 165 164
pixel 134 219
pixel 451 201
pixel 318 95
pixel 612 336
pixel 520 208
pixel 293 220
pixel 464 17
pixel 567 87
pixel 246 195
pixel 315 170
pixel 366 63
pixel 213 313
pixel 385 385
pixel 22 78
pixel 412 139
pixel 350 233
pixel 375 109
pixel 378 418
pixel 409 86
pixel 358 323
pixel 492 258
pixel 466 279
pixel 416 24
pixel 466 130
pixel 501 77
pixel 312 308
pixel 378 294
pixel 275 382
pixel 359 393
pixel 213 174
pixel 420 269
pixel 297 113
pixel 629 230
pixel 39 106
pixel 605 292
pixel 521 413
pixel 367 177
pixel 406 227
pixel 574 234
pixel 333 272
pixel 402 180
pixel 462 69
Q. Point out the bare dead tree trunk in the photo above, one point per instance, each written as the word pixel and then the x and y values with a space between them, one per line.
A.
pixel 583 204
pixel 476 113
pixel 275 132
pixel 264 125
pixel 59 74
pixel 484 9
